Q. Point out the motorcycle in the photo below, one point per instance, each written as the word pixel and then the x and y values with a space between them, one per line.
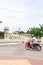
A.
pixel 35 46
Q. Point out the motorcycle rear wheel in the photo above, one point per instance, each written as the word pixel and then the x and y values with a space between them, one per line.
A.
pixel 28 48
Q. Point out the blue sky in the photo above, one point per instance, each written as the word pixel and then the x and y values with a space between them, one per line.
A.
pixel 21 13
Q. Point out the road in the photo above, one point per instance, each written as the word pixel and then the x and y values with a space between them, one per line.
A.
pixel 19 50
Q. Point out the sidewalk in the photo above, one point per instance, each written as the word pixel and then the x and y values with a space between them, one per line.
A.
pixel 12 43
pixel 8 60
pixel 9 42
pixel 5 60
pixel 14 62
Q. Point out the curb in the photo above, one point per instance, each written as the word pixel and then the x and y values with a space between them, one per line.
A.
pixel 12 43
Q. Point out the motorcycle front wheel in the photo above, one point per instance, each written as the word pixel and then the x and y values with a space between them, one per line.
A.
pixel 38 48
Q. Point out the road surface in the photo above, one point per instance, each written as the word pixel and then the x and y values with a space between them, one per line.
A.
pixel 19 50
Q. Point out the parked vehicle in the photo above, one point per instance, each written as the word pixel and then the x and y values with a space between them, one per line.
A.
pixel 35 46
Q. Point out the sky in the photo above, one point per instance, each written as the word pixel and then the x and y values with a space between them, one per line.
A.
pixel 22 14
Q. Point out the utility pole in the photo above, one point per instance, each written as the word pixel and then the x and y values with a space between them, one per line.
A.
pixel 19 31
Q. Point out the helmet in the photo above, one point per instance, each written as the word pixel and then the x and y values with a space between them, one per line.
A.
pixel 32 35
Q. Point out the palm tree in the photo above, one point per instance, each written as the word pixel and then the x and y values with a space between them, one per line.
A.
pixel 41 29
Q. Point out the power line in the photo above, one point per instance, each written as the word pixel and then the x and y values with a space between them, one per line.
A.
pixel 21 12
pixel 12 10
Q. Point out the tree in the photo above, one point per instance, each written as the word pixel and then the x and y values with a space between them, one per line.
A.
pixel 35 31
pixel 41 29
pixel 21 32
pixel 0 21
pixel 28 32
pixel 1 35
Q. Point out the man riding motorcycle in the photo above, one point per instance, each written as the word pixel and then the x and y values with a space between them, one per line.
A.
pixel 32 41
pixel 33 44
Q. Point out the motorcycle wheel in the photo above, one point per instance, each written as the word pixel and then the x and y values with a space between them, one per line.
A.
pixel 28 48
pixel 38 48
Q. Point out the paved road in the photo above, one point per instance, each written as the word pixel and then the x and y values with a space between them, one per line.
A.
pixel 19 50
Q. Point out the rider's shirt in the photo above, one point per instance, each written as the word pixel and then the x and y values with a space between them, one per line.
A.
pixel 33 40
